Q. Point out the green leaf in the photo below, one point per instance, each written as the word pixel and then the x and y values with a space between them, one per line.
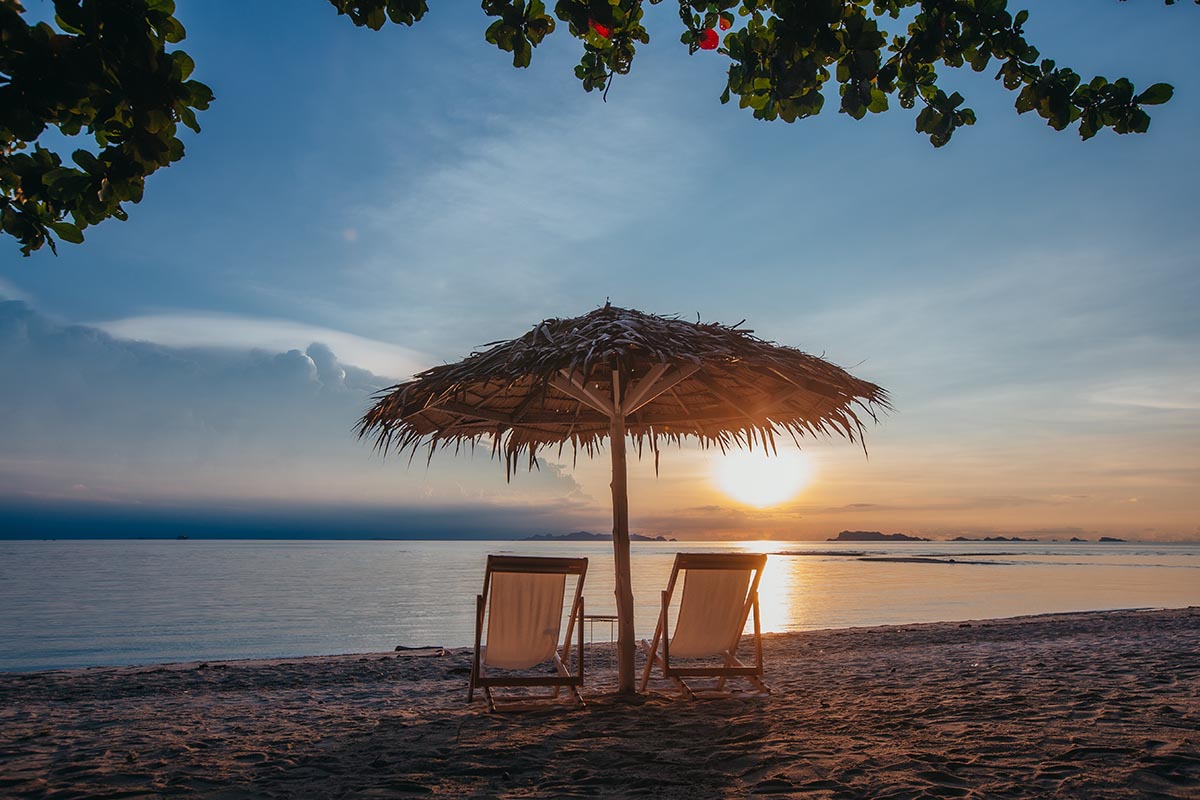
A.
pixel 1026 100
pixel 1140 122
pixel 67 232
pixel 188 117
pixel 522 52
pixel 1156 95
pixel 87 161
pixel 185 64
pixel 66 26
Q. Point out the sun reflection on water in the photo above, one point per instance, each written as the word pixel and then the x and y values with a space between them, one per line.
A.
pixel 778 594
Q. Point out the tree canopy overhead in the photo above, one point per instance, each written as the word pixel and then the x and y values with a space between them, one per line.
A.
pixel 784 53
pixel 105 72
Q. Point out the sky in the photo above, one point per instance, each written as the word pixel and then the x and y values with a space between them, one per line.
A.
pixel 361 205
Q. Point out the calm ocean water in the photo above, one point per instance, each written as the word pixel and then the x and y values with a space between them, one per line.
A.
pixel 88 603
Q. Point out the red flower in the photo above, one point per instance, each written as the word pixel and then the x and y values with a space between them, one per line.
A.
pixel 708 39
pixel 725 23
pixel 603 30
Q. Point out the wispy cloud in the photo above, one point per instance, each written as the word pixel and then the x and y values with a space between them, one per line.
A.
pixel 1164 392
pixel 274 335
pixel 510 220
pixel 1046 338
pixel 966 504
pixel 10 292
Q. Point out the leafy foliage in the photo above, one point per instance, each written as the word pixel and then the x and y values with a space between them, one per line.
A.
pixel 784 53
pixel 106 73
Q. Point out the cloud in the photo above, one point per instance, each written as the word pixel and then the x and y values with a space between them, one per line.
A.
pixel 858 507
pixel 135 421
pixel 1176 476
pixel 1172 392
pixel 234 331
pixel 965 504
pixel 515 215
pixel 10 292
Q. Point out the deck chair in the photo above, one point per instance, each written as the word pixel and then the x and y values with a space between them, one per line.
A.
pixel 720 590
pixel 522 605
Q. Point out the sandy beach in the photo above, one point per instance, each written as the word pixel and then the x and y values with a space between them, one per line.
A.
pixel 1094 705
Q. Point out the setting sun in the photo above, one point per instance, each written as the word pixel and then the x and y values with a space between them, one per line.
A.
pixel 760 480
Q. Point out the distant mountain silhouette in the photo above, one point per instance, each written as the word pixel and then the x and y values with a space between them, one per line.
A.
pixel 874 536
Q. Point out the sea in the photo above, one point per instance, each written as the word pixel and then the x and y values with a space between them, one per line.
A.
pixel 71 603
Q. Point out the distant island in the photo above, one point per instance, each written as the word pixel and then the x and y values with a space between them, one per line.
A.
pixel 588 536
pixel 874 536
pixel 1109 539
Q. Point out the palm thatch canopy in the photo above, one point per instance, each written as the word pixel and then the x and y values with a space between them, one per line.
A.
pixel 564 381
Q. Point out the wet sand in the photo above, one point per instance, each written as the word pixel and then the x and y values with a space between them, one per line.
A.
pixel 1095 705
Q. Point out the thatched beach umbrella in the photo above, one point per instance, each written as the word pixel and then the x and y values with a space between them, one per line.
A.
pixel 615 373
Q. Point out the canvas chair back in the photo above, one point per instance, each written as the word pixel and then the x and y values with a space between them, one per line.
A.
pixel 712 611
pixel 521 610
pixel 524 618
pixel 720 593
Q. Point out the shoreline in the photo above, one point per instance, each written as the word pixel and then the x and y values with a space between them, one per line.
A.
pixel 1084 704
pixel 419 651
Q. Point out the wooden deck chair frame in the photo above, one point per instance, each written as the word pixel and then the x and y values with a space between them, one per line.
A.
pixel 733 667
pixel 564 678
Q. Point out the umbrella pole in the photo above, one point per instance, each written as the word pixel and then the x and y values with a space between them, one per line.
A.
pixel 624 582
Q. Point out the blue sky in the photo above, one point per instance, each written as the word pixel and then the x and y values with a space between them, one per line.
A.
pixel 400 197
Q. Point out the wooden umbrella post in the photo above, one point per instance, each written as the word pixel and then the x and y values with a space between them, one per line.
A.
pixel 624 581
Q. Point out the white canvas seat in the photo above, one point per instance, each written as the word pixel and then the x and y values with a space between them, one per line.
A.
pixel 720 591
pixel 521 608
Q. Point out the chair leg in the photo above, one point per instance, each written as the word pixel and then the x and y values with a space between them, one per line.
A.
pixel 475 664
pixel 563 672
pixel 651 659
pixel 730 661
